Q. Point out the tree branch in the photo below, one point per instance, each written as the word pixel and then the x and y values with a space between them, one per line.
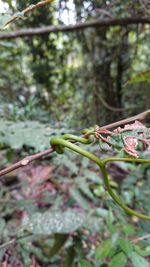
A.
pixel 25 161
pixel 140 117
pixel 76 27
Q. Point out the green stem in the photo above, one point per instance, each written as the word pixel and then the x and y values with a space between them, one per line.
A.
pixel 117 199
pixel 62 142
pixel 75 138
pixel 104 161
pixel 79 150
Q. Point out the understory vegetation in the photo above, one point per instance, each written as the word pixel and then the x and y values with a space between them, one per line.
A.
pixel 74 133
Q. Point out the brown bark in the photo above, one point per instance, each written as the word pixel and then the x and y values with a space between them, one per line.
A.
pixel 76 27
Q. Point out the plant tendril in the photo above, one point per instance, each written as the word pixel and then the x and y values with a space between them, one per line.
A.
pixel 67 140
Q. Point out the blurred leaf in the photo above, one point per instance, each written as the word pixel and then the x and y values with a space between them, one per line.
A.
pixel 103 250
pixel 70 256
pixel 102 212
pixel 92 176
pixel 110 222
pixel 85 263
pixel 53 222
pixel 69 163
pixel 79 246
pixel 142 251
pixel 126 246
pixel 4 18
pixel 32 134
pixel 80 199
pixel 59 241
pixel 138 260
pixel 2 226
pixel 128 229
pixel 84 187
pixel 143 76
pixel 119 260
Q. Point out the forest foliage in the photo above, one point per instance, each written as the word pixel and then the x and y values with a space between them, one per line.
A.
pixel 55 211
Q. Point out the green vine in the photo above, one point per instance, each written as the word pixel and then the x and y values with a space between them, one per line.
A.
pixel 68 141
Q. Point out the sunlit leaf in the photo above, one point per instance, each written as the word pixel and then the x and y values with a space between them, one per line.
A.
pixel 143 76
pixel 31 134
pixel 103 250
pixel 4 18
pixel 85 263
pixel 119 260
pixel 126 246
pixel 138 260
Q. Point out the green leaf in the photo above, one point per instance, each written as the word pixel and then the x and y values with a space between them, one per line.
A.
pixel 53 222
pixel 80 199
pixel 4 18
pixel 59 241
pixel 110 222
pixel 138 261
pixel 92 176
pixel 143 76
pixel 116 140
pixel 70 256
pixel 85 263
pixel 2 226
pixel 128 229
pixel 103 250
pixel 119 260
pixel 142 251
pixel 126 246
pixel 31 134
pixel 84 187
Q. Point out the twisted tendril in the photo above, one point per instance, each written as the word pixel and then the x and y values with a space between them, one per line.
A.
pixel 68 140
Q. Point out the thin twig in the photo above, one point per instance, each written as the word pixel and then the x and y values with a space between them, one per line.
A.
pixel 136 240
pixel 7 244
pixel 140 117
pixel 13 241
pixel 106 105
pixel 26 10
pixel 25 161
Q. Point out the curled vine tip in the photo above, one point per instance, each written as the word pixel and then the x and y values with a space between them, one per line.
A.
pixel 68 141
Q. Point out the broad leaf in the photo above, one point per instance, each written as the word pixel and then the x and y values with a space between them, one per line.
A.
pixel 126 246
pixel 70 256
pixel 53 222
pixel 138 260
pixel 143 76
pixel 57 222
pixel 31 134
pixel 59 241
pixel 119 260
pixel 85 263
pixel 103 250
